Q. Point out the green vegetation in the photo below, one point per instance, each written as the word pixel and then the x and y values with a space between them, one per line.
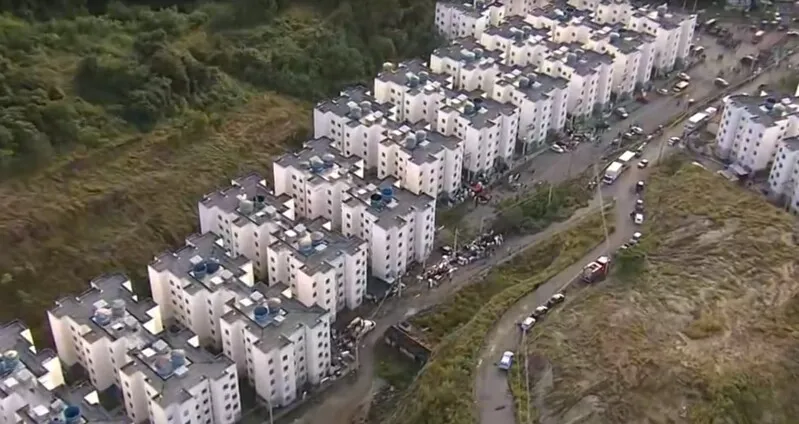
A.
pixel 704 330
pixel 116 118
pixel 533 212
pixel 443 391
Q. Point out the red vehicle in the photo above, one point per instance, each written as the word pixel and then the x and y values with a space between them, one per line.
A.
pixel 597 270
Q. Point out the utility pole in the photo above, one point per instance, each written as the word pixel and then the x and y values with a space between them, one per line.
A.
pixel 549 196
pixel 455 242
pixel 602 207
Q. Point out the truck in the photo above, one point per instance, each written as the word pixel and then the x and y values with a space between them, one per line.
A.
pixel 696 121
pixel 612 172
pixel 596 270
pixel 626 158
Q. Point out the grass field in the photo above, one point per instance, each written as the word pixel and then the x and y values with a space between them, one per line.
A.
pixel 702 326
pixel 118 207
pixel 443 391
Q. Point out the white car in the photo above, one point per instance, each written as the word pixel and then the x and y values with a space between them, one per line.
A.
pixel 527 324
pixel 506 361
pixel 540 311
pixel 674 140
pixel 555 299
pixel 643 163
pixel 639 205
pixel 636 237
pixel 638 219
pixel 662 91
pixel 558 148
pixel 683 76
pixel 637 130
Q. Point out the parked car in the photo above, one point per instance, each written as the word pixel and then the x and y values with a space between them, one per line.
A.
pixel 637 130
pixel 683 76
pixel 506 361
pixel 640 150
pixel 555 300
pixel 721 82
pixel 673 140
pixel 639 186
pixel 643 163
pixel 540 311
pixel 622 112
pixel 639 205
pixel 638 219
pixel 636 237
pixel 527 324
pixel 662 91
pixel 557 148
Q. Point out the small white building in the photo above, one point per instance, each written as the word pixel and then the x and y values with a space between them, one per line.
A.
pixel 354 121
pixel 277 342
pixel 783 178
pixel 193 284
pixel 320 266
pixel 171 378
pixel 466 19
pixel 316 178
pixel 541 99
pixel 422 161
pixel 633 56
pixel 96 329
pixel 752 127
pixel 590 76
pixel 412 91
pixel 244 215
pixel 398 226
pixel 488 129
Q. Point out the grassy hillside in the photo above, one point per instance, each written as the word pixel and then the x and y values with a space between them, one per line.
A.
pixel 699 325
pixel 113 124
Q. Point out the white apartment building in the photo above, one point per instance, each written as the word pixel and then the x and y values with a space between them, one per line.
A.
pixel 783 178
pixel 673 34
pixel 542 102
pixel 244 215
pixel 752 128
pixel 320 266
pixel 354 121
pixel 469 66
pixel 193 284
pixel 317 176
pixel 399 226
pixel 466 19
pixel 422 161
pixel 517 42
pixel 97 328
pixel 488 130
pixel 414 92
pixel 172 379
pixel 590 76
pixel 633 57
pixel 29 379
pixel 277 342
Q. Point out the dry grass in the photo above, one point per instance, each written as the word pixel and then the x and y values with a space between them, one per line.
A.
pixel 116 208
pixel 707 332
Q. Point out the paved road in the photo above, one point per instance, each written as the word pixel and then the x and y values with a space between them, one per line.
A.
pixel 491 387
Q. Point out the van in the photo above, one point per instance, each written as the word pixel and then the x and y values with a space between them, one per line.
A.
pixel 680 86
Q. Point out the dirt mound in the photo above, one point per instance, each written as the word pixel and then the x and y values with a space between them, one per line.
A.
pixel 704 329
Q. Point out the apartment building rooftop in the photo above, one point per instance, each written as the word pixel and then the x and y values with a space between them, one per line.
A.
pixel 389 203
pixel 273 315
pixel 662 16
pixel 470 53
pixel 625 40
pixel 419 142
pixel 202 263
pixel 534 85
pixel 322 161
pixel 791 143
pixel 414 75
pixel 251 200
pixel 85 395
pixel 109 308
pixel 517 29
pixel 767 110
pixel 175 363
pixel 562 13
pixel 479 111
pixel 474 9
pixel 315 245
pixel 355 104
pixel 583 61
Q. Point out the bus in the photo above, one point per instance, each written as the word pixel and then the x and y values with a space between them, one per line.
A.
pixel 680 86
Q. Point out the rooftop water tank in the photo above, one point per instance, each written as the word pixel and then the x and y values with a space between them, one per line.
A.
pixel 410 142
pixel 468 108
pixel 274 303
pixel 200 270
pixel 118 308
pixel 328 159
pixel 211 267
pixel 178 358
pixel 317 238
pixel 413 81
pixel 306 246
pixel 246 206
pixel 356 112
pixel 163 366
pixel 524 82
pixel 261 314
pixel 317 164
pixel 387 193
pixel 376 200
pixel 424 76
pixel 102 316
pixel 366 106
pixel 388 66
pixel 421 135
pixel 71 414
